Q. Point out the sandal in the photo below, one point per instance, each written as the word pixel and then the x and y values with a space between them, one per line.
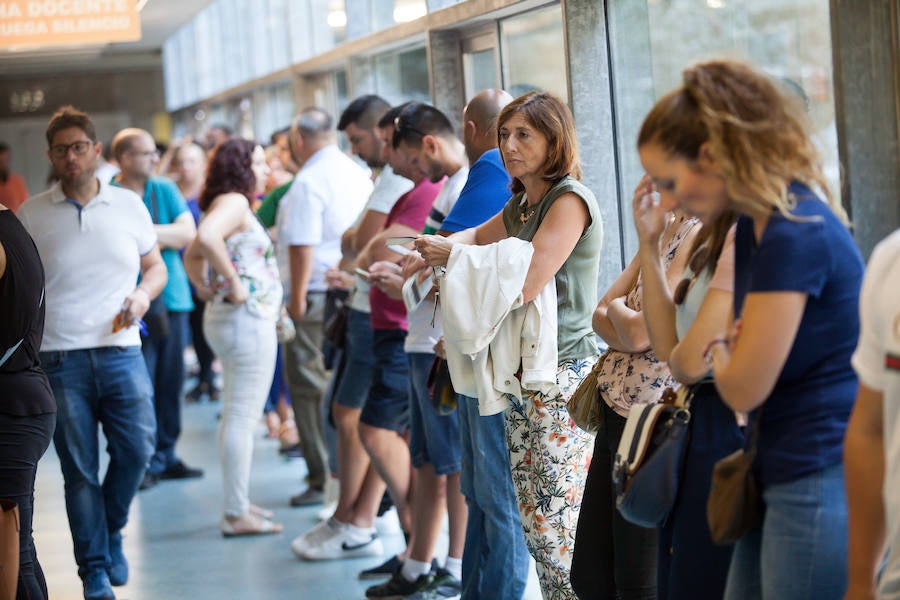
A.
pixel 248 524
pixel 261 512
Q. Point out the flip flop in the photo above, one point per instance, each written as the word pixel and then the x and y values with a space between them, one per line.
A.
pixel 261 512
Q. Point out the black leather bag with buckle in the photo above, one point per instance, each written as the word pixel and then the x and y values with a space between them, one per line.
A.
pixel 649 460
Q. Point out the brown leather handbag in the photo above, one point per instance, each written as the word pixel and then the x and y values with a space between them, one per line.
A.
pixel 735 503
pixel 585 406
pixel 9 549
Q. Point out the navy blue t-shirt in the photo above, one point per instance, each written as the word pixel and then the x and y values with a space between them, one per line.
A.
pixel 804 419
pixel 483 196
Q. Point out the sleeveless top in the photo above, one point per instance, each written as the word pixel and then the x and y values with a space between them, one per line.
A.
pixel 629 378
pixel 576 280
pixel 253 257
pixel 24 388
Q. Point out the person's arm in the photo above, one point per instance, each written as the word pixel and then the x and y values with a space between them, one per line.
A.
pixel 713 321
pixel 153 279
pixel 376 250
pixel 747 369
pixel 226 215
pixel 864 472
pixel 371 223
pixel 600 321
pixel 562 227
pixel 435 249
pixel 178 233
pixel 300 259
pixel 196 268
pixel 2 259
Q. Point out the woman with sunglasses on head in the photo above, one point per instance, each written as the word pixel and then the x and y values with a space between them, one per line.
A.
pixel 232 266
pixel 729 140
pixel 680 325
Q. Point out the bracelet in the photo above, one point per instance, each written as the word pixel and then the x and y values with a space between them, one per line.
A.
pixel 707 353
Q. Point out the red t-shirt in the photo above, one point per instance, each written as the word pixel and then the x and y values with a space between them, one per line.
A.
pixel 410 210
pixel 13 192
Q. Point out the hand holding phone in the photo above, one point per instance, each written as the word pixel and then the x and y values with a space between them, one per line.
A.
pixel 400 241
pixel 362 273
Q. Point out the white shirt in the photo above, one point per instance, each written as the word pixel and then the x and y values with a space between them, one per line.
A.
pixel 422 335
pixel 92 260
pixel 877 363
pixel 388 188
pixel 323 201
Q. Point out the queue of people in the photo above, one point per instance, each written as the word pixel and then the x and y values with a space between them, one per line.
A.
pixel 479 257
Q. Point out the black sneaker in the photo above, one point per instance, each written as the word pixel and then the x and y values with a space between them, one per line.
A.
pixel 443 586
pixel 181 471
pixel 385 569
pixel 150 480
pixel 397 587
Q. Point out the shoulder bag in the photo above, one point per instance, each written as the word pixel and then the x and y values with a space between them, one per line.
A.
pixel 586 406
pixel 735 503
pixel 649 460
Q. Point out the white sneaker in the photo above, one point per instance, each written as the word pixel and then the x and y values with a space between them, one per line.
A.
pixel 321 531
pixel 346 541
pixel 389 523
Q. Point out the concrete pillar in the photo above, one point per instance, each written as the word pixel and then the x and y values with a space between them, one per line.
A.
pixel 865 38
pixel 587 58
pixel 446 74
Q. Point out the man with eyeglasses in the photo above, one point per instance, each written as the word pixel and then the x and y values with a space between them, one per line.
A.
pixel 95 240
pixel 163 349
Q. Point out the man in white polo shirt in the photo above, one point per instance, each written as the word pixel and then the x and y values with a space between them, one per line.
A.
pixel 324 200
pixel 95 241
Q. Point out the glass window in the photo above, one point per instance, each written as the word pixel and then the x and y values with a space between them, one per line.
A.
pixel 386 13
pixel 402 75
pixel 480 71
pixel 653 41
pixel 533 53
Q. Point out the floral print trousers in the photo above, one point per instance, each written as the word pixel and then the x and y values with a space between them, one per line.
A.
pixel 549 458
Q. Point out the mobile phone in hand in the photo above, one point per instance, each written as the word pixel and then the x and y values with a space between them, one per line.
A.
pixel 362 273
pixel 400 241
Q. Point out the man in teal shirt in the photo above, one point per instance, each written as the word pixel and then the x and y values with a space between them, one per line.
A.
pixel 136 153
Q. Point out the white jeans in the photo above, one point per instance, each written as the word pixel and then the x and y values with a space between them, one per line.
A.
pixel 246 347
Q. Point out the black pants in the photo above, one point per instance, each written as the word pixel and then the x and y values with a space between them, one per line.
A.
pixel 23 441
pixel 613 559
pixel 205 355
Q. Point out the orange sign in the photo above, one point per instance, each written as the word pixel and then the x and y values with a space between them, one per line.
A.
pixel 58 22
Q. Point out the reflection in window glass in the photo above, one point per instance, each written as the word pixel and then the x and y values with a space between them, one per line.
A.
pixel 386 13
pixel 402 76
pixel 480 71
pixel 533 53
pixel 653 41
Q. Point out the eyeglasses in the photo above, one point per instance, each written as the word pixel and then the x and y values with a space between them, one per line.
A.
pixel 400 127
pixel 79 148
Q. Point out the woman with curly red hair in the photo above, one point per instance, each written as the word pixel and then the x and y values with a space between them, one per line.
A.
pixel 232 266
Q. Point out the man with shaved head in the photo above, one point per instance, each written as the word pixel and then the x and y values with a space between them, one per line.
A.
pixel 135 151
pixel 495 559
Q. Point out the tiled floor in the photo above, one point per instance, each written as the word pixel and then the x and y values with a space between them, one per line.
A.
pixel 173 540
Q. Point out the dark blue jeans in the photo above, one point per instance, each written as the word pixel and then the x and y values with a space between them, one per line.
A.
pixel 495 559
pixel 23 441
pixel 165 363
pixel 107 386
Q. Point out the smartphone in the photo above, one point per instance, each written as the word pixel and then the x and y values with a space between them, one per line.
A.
pixel 401 250
pixel 400 241
pixel 362 273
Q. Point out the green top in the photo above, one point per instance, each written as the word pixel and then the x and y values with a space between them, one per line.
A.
pixel 268 210
pixel 576 280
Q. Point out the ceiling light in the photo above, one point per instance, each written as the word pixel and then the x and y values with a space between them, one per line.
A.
pixel 336 19
pixel 409 11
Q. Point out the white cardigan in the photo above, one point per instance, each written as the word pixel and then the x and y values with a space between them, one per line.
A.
pixel 489 333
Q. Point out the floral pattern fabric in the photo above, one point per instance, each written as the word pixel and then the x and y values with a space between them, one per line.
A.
pixel 549 459
pixel 630 378
pixel 253 257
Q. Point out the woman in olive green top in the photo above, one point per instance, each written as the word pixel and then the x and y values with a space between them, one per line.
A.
pixel 549 455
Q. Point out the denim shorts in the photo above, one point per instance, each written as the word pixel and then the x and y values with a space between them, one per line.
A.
pixel 387 406
pixel 433 438
pixel 356 379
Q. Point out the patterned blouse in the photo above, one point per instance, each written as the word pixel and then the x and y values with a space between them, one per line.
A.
pixel 628 378
pixel 253 257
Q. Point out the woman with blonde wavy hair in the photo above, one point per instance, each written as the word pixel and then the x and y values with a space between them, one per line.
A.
pixel 729 140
